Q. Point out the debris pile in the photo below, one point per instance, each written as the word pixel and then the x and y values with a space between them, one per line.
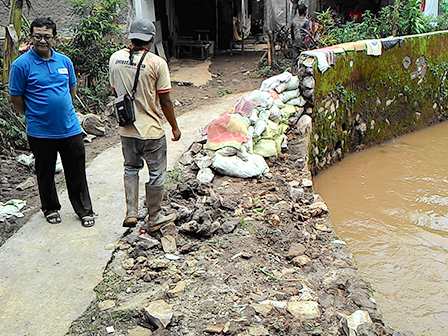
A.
pixel 253 256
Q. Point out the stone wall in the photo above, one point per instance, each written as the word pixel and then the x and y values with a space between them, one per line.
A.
pixel 364 100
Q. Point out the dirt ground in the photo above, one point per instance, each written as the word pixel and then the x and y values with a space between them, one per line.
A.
pixel 247 257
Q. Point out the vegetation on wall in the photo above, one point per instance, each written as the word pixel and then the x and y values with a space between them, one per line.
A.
pixel 365 100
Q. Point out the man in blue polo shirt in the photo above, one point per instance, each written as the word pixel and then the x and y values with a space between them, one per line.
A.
pixel 42 85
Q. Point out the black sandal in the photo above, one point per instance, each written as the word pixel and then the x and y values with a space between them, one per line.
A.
pixel 52 216
pixel 88 221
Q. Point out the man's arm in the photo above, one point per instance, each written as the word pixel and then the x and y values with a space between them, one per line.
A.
pixel 168 111
pixel 18 102
pixel 73 92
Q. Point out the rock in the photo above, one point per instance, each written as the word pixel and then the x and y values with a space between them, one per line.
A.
pixel 159 313
pixel 146 242
pixel 262 309
pixel 178 290
pixel 189 247
pixel 229 225
pixel 301 261
pixel 296 193
pixel 203 162
pixel 214 329
pixel 275 220
pixel 306 183
pixel 295 250
pixel 159 263
pixel 168 230
pixel 128 264
pixel 28 183
pixel 305 125
pixel 370 329
pixel 350 325
pixel 205 175
pixel 195 147
pixel 304 309
pixel 319 205
pixel 186 159
pixel 308 93
pixel 106 305
pixel 189 227
pixel 258 331
pixel 139 331
pixel 308 82
pixel 169 244
pixel 92 124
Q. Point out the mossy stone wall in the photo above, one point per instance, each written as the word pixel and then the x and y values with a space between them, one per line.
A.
pixel 364 100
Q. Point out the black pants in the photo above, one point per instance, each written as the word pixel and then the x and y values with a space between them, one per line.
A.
pixel 73 156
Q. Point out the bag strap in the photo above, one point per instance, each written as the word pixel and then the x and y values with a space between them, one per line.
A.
pixel 137 74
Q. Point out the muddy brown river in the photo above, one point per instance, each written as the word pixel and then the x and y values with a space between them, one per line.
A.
pixel 390 204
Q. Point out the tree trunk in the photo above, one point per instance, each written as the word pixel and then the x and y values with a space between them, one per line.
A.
pixel 12 37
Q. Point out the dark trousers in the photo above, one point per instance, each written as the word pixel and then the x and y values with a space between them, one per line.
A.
pixel 73 157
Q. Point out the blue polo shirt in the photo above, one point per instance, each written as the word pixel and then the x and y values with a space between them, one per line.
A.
pixel 45 86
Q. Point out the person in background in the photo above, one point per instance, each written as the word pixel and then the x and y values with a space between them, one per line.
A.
pixel 144 140
pixel 42 85
pixel 356 14
pixel 299 25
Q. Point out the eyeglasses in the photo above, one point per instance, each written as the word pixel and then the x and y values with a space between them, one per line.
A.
pixel 47 38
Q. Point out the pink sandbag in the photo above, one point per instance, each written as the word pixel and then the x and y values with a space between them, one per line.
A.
pixel 225 131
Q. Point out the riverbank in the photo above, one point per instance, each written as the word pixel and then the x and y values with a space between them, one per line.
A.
pixel 250 261
pixel 249 257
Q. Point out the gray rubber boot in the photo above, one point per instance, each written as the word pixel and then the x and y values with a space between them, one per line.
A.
pixel 154 197
pixel 131 192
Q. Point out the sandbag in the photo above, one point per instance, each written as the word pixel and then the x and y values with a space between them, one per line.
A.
pixel 234 166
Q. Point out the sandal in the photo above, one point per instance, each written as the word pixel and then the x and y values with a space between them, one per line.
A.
pixel 88 221
pixel 52 216
pixel 130 222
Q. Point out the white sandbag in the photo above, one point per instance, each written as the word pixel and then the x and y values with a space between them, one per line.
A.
pixel 276 114
pixel 259 128
pixel 288 95
pixel 234 166
pixel 274 81
pixel 299 101
pixel 265 99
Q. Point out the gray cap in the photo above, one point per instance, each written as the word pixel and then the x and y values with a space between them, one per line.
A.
pixel 142 29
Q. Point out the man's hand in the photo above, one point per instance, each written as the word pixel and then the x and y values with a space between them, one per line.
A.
pixel 176 134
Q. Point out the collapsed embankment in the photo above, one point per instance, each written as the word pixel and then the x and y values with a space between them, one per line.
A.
pixel 251 256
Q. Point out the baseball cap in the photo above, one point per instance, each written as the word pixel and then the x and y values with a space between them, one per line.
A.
pixel 142 29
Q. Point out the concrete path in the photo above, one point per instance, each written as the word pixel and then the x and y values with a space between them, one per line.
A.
pixel 48 272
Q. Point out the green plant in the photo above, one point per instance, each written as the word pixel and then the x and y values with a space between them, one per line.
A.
pixel 12 128
pixel 94 41
pixel 224 91
pixel 266 71
pixel 320 34
pixel 173 177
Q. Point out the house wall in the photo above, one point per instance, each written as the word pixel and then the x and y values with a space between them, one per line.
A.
pixel 364 100
pixel 58 10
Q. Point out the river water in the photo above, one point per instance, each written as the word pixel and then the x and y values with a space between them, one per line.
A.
pixel 390 204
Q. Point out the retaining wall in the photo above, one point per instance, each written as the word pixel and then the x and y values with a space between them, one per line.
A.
pixel 363 100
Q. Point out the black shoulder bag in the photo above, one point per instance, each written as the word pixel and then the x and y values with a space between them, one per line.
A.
pixel 124 104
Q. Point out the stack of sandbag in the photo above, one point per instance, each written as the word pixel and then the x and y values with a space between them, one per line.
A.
pixel 239 141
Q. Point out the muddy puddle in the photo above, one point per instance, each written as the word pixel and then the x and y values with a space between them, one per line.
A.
pixel 390 204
